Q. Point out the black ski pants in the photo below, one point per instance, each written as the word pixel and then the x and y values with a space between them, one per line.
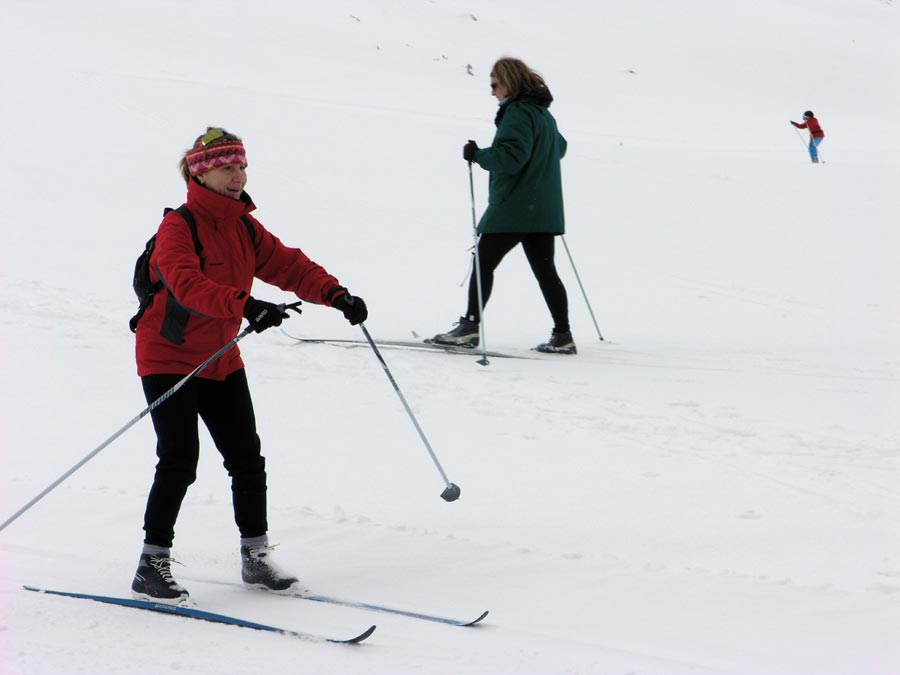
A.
pixel 227 411
pixel 539 250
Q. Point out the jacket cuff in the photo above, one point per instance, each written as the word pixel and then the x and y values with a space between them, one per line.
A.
pixel 241 299
pixel 333 294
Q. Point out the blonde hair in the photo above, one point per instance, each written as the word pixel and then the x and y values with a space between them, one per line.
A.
pixel 516 76
pixel 226 137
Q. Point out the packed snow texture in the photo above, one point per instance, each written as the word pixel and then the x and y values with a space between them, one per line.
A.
pixel 710 490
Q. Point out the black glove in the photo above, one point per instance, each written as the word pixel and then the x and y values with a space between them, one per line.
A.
pixel 262 314
pixel 469 150
pixel 354 308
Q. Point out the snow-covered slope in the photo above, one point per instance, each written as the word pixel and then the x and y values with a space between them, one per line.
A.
pixel 710 490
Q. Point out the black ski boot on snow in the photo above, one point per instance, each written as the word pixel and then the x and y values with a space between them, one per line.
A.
pixel 258 571
pixel 559 343
pixel 153 581
pixel 464 335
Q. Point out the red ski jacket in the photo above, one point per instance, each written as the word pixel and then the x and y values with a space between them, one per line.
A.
pixel 200 306
pixel 814 129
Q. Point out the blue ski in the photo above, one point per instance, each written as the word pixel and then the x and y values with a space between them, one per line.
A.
pixel 203 616
pixel 355 604
pixel 391 610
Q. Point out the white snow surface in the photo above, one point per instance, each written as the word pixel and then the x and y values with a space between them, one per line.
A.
pixel 712 490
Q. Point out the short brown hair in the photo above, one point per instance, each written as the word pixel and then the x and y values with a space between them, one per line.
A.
pixel 517 77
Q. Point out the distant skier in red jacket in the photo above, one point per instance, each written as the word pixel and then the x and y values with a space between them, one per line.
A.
pixel 816 135
pixel 199 308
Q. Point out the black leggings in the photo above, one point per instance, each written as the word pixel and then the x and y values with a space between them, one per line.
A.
pixel 539 251
pixel 227 410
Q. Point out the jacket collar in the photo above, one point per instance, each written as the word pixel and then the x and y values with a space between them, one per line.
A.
pixel 204 202
pixel 540 96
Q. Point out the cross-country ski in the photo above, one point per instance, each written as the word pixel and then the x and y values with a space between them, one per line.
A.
pixel 192 613
pixel 356 604
pixel 416 345
pixel 391 610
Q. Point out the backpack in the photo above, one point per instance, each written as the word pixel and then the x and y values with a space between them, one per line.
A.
pixel 143 288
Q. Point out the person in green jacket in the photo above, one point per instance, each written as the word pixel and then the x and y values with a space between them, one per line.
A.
pixel 525 204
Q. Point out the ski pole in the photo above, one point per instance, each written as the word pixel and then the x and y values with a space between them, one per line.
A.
pixel 451 492
pixel 153 406
pixel 803 140
pixel 483 360
pixel 578 278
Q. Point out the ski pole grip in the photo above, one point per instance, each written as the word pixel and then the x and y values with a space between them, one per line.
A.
pixel 293 305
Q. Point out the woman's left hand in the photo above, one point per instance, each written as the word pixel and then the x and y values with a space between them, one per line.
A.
pixel 469 150
pixel 353 307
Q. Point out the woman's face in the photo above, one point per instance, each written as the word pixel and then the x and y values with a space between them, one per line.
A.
pixel 498 89
pixel 227 180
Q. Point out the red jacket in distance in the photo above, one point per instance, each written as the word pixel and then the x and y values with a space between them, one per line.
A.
pixel 202 305
pixel 815 130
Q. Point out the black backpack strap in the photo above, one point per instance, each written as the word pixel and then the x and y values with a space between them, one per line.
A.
pixel 251 229
pixel 188 217
pixel 176 315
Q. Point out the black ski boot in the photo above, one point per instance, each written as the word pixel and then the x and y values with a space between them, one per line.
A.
pixel 464 335
pixel 258 571
pixel 559 343
pixel 153 581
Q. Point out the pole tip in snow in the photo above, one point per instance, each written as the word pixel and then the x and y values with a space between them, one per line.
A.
pixel 451 494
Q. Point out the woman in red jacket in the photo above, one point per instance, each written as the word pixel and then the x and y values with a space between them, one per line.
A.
pixel 816 135
pixel 205 294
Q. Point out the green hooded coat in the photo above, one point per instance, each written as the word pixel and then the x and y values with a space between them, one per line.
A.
pixel 525 187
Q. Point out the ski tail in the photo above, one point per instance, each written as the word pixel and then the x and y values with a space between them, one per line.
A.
pixel 191 613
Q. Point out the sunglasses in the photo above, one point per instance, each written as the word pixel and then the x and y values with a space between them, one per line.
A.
pixel 494 86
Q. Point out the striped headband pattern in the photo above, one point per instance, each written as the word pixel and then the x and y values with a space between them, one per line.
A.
pixel 202 159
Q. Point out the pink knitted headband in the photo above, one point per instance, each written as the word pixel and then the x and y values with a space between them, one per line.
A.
pixel 202 158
